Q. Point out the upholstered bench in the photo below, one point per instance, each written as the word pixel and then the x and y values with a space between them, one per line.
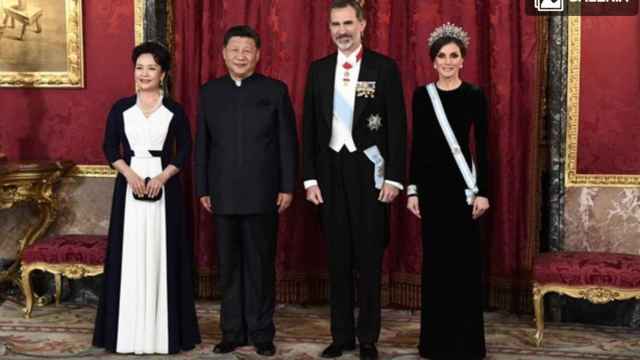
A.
pixel 74 256
pixel 595 276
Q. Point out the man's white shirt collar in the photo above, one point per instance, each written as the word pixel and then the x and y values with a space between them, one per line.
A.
pixel 352 58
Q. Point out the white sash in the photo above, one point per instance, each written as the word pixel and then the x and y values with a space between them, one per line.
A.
pixel 469 175
pixel 342 109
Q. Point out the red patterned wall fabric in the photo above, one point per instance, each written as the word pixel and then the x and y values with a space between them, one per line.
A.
pixel 502 58
pixel 588 268
pixel 609 122
pixel 69 124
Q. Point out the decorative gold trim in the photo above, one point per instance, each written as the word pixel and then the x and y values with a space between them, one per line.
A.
pixel 572 178
pixel 69 270
pixel 73 77
pixel 97 171
pixel 139 21
pixel 595 294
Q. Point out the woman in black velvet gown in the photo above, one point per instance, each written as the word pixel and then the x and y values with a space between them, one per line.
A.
pixel 147 304
pixel 451 325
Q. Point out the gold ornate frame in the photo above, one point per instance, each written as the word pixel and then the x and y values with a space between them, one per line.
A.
pixel 572 177
pixel 73 77
pixel 70 270
pixel 101 171
pixel 96 171
pixel 138 12
pixel 595 294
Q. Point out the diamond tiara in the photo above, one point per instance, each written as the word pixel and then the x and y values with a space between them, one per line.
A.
pixel 449 30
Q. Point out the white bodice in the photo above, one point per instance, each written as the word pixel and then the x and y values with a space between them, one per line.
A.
pixel 146 133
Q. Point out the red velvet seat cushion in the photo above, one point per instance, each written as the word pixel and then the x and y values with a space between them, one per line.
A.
pixel 75 249
pixel 588 268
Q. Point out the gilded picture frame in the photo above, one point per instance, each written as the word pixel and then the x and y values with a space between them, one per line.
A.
pixel 41 44
pixel 572 177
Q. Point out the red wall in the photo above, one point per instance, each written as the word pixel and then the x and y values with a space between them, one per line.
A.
pixel 609 123
pixel 69 123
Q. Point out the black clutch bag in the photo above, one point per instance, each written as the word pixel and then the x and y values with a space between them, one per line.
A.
pixel 145 197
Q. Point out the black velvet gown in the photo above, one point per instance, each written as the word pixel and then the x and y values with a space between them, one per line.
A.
pixel 182 332
pixel 451 325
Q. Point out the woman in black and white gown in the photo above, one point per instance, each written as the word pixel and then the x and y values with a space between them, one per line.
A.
pixel 147 305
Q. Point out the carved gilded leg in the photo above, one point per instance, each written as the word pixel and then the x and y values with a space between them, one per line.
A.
pixel 58 280
pixel 28 292
pixel 37 23
pixel 24 29
pixel 47 212
pixel 539 313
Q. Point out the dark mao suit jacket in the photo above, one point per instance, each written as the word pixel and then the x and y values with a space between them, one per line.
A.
pixel 246 146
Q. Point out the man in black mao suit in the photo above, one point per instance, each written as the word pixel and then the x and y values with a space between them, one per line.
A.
pixel 354 165
pixel 246 156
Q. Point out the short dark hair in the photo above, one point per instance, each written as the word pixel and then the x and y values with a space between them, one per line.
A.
pixel 446 40
pixel 355 4
pixel 242 31
pixel 159 52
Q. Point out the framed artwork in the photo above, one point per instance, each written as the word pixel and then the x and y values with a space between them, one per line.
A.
pixel 602 108
pixel 41 44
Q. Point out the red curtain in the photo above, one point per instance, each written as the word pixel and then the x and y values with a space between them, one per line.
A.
pixel 502 59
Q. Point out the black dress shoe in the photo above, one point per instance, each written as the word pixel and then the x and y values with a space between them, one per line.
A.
pixel 335 350
pixel 265 348
pixel 368 351
pixel 224 347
